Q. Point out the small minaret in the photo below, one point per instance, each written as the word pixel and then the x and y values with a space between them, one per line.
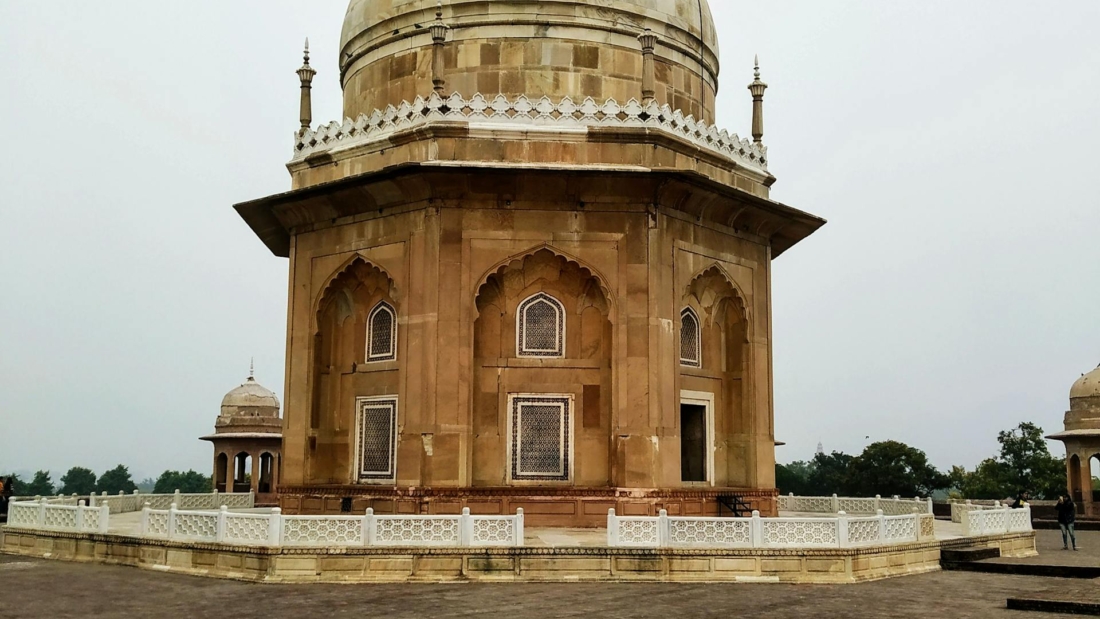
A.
pixel 649 43
pixel 306 74
pixel 439 37
pixel 757 89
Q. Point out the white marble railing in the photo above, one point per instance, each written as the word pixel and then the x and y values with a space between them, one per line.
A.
pixel 275 529
pixel 502 112
pixel 895 506
pixel 46 516
pixel 127 503
pixel 665 531
pixel 994 521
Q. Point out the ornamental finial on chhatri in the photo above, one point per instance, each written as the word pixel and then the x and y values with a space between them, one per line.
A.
pixel 757 89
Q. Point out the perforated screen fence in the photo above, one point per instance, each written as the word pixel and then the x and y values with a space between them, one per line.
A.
pixel 540 331
pixel 377 438
pixel 540 428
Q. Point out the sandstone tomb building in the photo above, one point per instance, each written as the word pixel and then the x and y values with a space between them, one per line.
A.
pixel 527 270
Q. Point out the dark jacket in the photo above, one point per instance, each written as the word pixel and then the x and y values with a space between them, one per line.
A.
pixel 1067 512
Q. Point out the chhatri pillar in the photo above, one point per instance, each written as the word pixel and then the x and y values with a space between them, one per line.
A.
pixel 247 442
pixel 528 271
pixel 1082 440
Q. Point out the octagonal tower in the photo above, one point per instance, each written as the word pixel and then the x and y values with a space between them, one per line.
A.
pixel 526 271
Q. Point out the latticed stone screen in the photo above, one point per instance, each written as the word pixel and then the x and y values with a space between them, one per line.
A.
pixel 382 334
pixel 690 339
pixel 540 428
pixel 540 331
pixel 377 439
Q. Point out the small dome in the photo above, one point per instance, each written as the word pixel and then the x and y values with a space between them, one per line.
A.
pixel 250 395
pixel 1088 386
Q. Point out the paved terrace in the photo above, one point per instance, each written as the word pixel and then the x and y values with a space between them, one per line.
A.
pixel 34 588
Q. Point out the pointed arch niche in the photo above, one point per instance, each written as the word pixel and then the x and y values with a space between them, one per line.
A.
pixel 579 371
pixel 359 296
pixel 717 362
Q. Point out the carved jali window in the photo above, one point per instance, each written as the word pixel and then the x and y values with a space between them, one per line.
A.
pixel 382 333
pixel 376 419
pixel 540 327
pixel 540 429
pixel 690 339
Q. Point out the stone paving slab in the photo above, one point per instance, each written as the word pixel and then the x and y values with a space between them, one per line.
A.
pixel 34 588
pixel 1049 545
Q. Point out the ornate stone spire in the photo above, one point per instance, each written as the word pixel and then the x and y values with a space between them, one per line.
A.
pixel 252 369
pixel 757 89
pixel 306 74
pixel 439 37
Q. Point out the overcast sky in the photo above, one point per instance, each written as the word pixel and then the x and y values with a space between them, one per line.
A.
pixel 951 145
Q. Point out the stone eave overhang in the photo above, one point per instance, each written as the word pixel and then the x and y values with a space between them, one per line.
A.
pixel 1084 433
pixel 278 436
pixel 275 218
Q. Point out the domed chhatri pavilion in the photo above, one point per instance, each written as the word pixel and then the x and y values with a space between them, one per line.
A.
pixel 527 270
pixel 1082 439
pixel 247 442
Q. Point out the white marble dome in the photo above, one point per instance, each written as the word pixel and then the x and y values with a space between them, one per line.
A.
pixel 250 397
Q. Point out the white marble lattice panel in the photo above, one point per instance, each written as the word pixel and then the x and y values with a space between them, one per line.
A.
pixel 901 528
pixel 246 529
pixel 494 531
pixel 902 507
pixel 157 525
pixel 23 515
pixel 639 531
pixel 123 504
pixel 501 112
pixel 322 531
pixel 710 532
pixel 863 531
pixel 798 532
pixel 90 519
pixel 416 531
pixel 856 506
pixel 1018 520
pixel 927 526
pixel 58 517
pixel 202 527
pixel 814 504
pixel 160 501
pixel 994 520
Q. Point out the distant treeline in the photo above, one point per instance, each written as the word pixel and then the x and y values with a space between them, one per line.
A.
pixel 82 481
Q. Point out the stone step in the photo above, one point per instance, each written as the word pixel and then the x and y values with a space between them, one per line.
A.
pixel 965 555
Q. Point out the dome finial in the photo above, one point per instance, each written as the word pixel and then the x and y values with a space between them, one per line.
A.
pixel 438 30
pixel 252 368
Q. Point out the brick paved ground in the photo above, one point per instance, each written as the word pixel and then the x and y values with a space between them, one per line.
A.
pixel 35 588
pixel 1049 545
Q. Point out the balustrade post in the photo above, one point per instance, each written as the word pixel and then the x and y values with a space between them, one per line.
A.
pixel 145 519
pixel 172 520
pixel 878 502
pixel 757 530
pixel 519 527
pixel 219 529
pixel 931 509
pixel 176 498
pixel 368 527
pixel 662 528
pixel 916 528
pixel 881 526
pixel 104 518
pixel 842 529
pixel 275 526
pixel 612 529
pixel 251 499
pixel 42 512
pixel 465 529
pixel 836 504
pixel 80 515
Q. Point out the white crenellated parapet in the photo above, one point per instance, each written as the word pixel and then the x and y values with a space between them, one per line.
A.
pixel 503 112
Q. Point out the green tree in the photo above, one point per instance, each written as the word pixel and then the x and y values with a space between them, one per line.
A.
pixel 78 480
pixel 41 485
pixel 18 486
pixel 189 482
pixel 893 468
pixel 829 474
pixel 116 480
pixel 1024 464
pixel 793 477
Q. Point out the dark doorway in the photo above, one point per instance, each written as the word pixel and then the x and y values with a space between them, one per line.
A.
pixel 693 442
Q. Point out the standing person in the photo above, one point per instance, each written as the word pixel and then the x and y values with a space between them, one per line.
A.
pixel 6 493
pixel 1067 517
